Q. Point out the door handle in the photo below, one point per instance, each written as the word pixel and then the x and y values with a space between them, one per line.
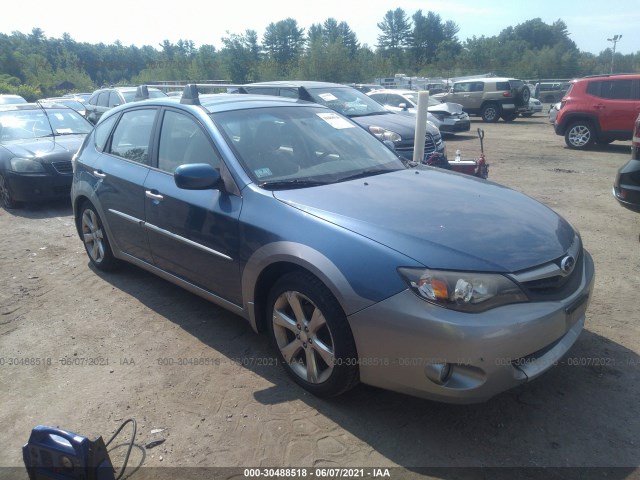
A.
pixel 153 196
pixel 99 174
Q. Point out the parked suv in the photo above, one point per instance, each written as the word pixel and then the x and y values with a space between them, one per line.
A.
pixel 106 98
pixel 599 109
pixel 366 112
pixel 550 92
pixel 491 98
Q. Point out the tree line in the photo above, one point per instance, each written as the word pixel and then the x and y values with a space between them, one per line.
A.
pixel 427 45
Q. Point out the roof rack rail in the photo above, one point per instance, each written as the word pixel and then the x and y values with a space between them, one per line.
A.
pixel 142 93
pixel 191 92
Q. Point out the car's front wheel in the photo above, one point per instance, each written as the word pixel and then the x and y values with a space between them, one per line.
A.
pixel 95 239
pixel 580 135
pixel 312 335
pixel 5 195
pixel 490 113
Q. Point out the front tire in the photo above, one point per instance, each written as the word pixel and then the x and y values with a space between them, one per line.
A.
pixel 5 195
pixel 95 239
pixel 580 135
pixel 490 113
pixel 312 335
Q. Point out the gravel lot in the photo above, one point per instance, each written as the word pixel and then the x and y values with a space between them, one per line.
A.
pixel 84 351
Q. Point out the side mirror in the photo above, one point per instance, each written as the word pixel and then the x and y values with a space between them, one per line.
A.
pixel 197 176
pixel 403 106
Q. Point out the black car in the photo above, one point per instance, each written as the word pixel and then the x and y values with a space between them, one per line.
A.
pixel 106 98
pixel 37 143
pixel 366 112
pixel 626 188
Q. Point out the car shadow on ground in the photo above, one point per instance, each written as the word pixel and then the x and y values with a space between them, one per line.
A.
pixel 569 417
pixel 54 208
pixel 618 148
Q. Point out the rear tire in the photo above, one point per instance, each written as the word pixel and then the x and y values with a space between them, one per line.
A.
pixel 95 240
pixel 490 113
pixel 580 135
pixel 312 336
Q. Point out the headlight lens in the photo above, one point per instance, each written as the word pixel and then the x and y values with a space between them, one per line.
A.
pixel 26 165
pixel 383 134
pixel 463 291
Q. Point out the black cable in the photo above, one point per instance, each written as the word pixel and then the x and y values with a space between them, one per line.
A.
pixel 133 436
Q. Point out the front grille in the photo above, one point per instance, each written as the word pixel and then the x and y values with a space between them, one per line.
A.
pixel 548 282
pixel 555 286
pixel 429 144
pixel 62 167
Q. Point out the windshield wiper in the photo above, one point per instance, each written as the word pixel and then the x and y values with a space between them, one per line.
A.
pixel 292 183
pixel 370 114
pixel 366 173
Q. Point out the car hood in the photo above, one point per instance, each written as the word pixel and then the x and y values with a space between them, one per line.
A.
pixel 46 148
pixel 448 107
pixel 441 219
pixel 404 125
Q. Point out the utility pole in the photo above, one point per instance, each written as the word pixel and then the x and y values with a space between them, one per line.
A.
pixel 615 39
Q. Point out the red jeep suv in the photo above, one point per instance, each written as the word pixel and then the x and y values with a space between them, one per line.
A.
pixel 599 109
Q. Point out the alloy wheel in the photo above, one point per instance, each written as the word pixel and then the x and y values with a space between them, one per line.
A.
pixel 303 337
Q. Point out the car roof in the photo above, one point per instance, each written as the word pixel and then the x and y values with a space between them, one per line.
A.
pixel 24 106
pixel 400 91
pixel 487 79
pixel 221 102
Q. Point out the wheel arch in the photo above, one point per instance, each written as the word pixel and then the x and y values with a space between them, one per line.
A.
pixel 274 260
pixel 77 204
pixel 571 118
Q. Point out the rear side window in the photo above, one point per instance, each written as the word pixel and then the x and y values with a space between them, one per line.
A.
pixel 611 89
pixel 132 136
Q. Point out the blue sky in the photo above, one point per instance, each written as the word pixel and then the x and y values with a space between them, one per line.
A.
pixel 590 22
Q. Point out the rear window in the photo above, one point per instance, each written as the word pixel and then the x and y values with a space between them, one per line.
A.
pixel 503 86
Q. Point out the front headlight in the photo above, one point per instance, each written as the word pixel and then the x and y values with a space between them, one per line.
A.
pixel 383 134
pixel 463 291
pixel 26 165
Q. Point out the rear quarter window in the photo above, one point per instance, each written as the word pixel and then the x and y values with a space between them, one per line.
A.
pixel 611 89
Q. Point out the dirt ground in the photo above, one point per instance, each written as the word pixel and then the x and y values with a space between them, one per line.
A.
pixel 84 350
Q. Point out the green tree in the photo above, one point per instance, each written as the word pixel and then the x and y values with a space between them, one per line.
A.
pixel 240 56
pixel 396 32
pixel 283 43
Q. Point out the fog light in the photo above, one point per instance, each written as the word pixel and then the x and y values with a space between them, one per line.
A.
pixel 438 372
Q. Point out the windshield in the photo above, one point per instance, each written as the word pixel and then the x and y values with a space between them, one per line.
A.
pixel 295 147
pixel 347 101
pixel 28 124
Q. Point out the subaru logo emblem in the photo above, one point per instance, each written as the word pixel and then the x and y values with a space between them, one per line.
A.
pixel 567 264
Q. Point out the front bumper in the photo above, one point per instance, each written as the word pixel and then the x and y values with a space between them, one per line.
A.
pixel 36 187
pixel 402 339
pixel 455 126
